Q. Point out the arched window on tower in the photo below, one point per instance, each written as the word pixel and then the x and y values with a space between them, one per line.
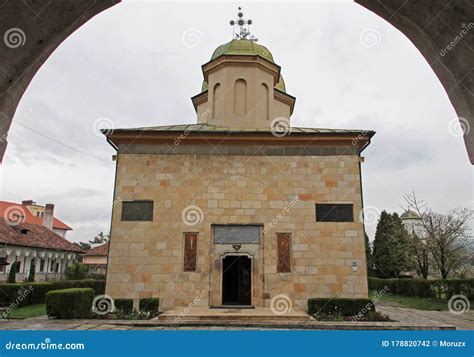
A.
pixel 217 101
pixel 265 101
pixel 240 97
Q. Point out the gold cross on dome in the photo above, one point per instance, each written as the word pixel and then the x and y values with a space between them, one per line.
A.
pixel 244 33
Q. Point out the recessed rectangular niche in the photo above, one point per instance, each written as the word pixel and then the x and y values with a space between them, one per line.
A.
pixel 236 234
pixel 137 210
pixel 190 251
pixel 284 252
pixel 334 212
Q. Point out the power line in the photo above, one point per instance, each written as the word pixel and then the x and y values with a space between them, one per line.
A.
pixel 59 142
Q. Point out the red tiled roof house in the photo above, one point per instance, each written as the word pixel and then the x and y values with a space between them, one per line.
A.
pixel 27 238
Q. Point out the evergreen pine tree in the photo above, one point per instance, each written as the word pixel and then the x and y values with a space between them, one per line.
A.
pixel 391 251
pixel 368 254
pixel 12 275
pixel 31 275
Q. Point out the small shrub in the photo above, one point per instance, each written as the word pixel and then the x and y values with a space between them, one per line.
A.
pixel 72 303
pixel 340 307
pixel 124 306
pixel 149 305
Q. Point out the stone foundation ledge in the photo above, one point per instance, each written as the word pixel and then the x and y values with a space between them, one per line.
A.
pixel 40 324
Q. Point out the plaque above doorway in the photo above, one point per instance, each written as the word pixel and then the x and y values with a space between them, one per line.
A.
pixel 236 233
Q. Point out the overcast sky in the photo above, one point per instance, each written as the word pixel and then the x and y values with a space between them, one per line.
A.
pixel 138 64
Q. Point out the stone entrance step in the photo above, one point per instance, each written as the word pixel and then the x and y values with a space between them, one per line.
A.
pixel 258 314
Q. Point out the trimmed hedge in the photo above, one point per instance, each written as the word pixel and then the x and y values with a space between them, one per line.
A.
pixel 343 307
pixel 150 305
pixel 72 303
pixel 97 285
pixel 38 291
pixel 444 289
pixel 124 305
pixel 13 293
pixel 441 289
pixel 406 287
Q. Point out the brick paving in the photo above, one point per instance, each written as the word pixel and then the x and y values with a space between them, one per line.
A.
pixel 463 321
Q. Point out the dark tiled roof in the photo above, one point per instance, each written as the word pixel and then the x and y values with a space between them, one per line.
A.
pixel 206 128
pixel 34 235
pixel 100 250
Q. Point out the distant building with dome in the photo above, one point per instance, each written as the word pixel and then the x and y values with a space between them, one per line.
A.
pixel 412 222
pixel 240 208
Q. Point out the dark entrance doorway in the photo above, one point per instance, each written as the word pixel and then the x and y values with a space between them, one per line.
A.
pixel 236 280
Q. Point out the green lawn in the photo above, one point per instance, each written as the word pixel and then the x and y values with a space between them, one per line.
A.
pixel 28 311
pixel 415 302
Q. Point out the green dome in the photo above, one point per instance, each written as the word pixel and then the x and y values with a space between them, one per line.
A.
pixel 409 215
pixel 244 47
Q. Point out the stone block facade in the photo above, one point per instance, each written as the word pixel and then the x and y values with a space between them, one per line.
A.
pixel 191 193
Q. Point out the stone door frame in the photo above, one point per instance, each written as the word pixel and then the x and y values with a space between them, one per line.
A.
pixel 254 251
pixel 221 281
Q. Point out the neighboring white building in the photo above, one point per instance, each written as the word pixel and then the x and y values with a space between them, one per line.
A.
pixel 29 232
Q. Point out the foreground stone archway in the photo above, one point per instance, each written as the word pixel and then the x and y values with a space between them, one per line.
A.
pixel 443 31
pixel 30 31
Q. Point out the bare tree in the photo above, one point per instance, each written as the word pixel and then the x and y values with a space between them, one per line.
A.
pixel 421 254
pixel 447 236
pixel 465 269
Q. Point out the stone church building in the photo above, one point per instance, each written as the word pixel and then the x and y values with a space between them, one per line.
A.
pixel 240 208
